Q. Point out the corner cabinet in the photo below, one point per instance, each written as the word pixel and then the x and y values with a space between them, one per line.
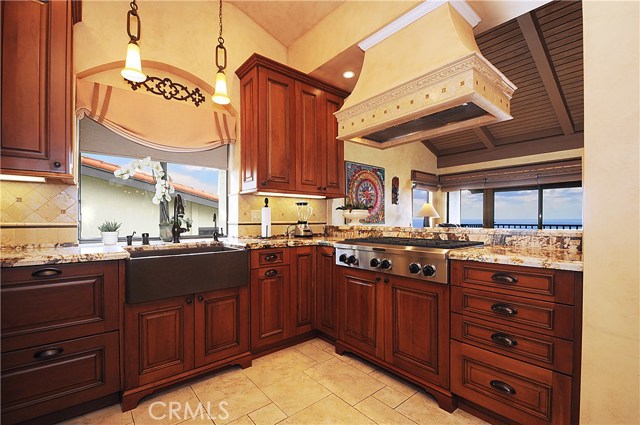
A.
pixel 287 118
pixel 36 88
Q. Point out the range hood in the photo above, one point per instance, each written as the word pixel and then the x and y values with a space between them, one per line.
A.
pixel 426 80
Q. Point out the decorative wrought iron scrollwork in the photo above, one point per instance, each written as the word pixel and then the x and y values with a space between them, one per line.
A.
pixel 169 90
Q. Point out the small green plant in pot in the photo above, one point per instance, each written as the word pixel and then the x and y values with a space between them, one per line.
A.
pixel 109 231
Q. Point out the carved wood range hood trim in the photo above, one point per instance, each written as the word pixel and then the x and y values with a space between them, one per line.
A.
pixel 441 84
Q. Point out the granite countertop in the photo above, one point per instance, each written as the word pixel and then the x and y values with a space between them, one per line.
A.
pixel 563 259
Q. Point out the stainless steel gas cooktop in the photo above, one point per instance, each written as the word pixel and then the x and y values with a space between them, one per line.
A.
pixel 425 259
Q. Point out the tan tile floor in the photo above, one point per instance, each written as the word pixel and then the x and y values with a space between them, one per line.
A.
pixel 305 384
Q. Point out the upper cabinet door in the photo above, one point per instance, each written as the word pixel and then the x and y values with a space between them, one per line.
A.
pixel 276 131
pixel 36 88
pixel 309 138
pixel 332 150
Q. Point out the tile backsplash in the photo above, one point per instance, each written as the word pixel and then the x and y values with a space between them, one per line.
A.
pixel 38 213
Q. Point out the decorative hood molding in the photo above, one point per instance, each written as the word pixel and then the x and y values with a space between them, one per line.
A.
pixel 440 84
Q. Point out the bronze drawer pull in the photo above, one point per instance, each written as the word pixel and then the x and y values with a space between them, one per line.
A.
pixel 47 353
pixel 271 272
pixel 502 387
pixel 504 339
pixel 504 278
pixel 46 272
pixel 271 257
pixel 504 309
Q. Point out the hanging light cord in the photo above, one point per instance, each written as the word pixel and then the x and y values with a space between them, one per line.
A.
pixel 220 46
pixel 134 12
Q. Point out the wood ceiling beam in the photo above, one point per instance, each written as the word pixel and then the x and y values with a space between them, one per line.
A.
pixel 431 147
pixel 533 147
pixel 535 40
pixel 485 137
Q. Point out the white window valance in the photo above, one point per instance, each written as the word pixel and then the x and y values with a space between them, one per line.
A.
pixel 155 122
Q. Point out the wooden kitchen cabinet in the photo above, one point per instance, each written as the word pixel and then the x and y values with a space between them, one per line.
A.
pixel 289 132
pixel 398 323
pixel 60 339
pixel 417 328
pixel 36 88
pixel 270 306
pixel 326 291
pixel 159 340
pixel 221 328
pixel 170 340
pixel 303 281
pixel 361 311
pixel 516 341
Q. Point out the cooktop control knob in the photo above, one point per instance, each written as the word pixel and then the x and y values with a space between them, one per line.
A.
pixel 414 268
pixel 429 270
pixel 342 258
pixel 352 260
pixel 385 264
pixel 374 262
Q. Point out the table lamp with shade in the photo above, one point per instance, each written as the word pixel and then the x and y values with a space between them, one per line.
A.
pixel 428 212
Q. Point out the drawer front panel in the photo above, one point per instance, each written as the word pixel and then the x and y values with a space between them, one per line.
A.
pixel 530 282
pixel 48 378
pixel 539 316
pixel 532 347
pixel 516 390
pixel 60 303
pixel 269 257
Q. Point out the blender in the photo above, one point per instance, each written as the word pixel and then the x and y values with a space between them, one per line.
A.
pixel 302 227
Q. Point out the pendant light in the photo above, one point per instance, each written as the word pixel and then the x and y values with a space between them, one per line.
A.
pixel 221 96
pixel 132 70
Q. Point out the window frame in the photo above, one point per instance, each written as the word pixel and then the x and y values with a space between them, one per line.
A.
pixel 164 165
pixel 429 199
pixel 488 216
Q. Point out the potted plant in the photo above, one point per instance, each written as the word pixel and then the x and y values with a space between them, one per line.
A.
pixel 354 212
pixel 109 232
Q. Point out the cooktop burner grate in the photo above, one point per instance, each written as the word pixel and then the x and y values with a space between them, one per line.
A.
pixel 424 243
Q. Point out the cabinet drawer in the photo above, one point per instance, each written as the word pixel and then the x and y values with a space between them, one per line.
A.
pixel 519 391
pixel 57 302
pixel 47 378
pixel 531 282
pixel 532 347
pixel 539 316
pixel 269 257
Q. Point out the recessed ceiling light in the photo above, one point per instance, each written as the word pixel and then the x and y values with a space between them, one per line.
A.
pixel 348 74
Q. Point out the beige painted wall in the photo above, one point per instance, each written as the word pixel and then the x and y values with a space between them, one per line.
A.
pixel 398 161
pixel 610 360
pixel 339 31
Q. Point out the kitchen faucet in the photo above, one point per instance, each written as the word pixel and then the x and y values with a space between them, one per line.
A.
pixel 178 211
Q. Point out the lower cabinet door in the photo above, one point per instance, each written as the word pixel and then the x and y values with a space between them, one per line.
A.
pixel 221 324
pixel 158 340
pixel 417 328
pixel 270 306
pixel 326 317
pixel 303 279
pixel 43 379
pixel 518 391
pixel 361 310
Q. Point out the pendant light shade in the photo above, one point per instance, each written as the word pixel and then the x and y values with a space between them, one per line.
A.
pixel 221 97
pixel 132 70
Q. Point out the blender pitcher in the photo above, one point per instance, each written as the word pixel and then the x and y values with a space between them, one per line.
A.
pixel 304 211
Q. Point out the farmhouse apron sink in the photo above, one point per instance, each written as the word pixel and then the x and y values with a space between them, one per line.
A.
pixel 157 274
